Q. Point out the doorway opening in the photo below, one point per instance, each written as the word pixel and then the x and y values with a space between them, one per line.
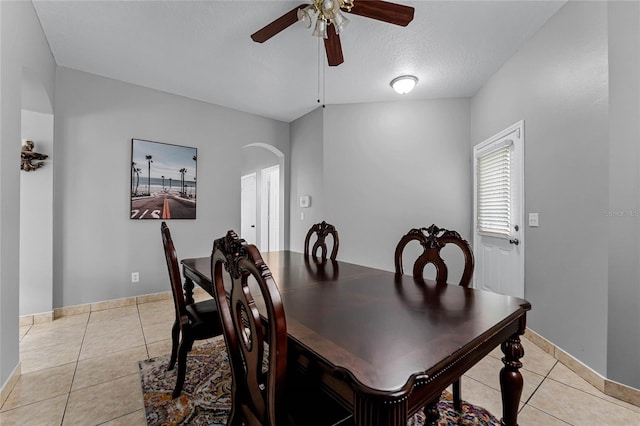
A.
pixel 248 208
pixel 263 205
pixel 498 194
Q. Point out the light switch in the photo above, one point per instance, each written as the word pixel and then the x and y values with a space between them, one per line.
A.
pixel 534 220
pixel 301 215
pixel 305 201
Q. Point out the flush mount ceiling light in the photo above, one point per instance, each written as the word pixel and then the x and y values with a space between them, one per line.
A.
pixel 404 83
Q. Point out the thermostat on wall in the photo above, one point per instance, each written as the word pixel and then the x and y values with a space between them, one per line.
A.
pixel 305 201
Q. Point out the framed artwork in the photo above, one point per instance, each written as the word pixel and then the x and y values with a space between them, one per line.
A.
pixel 163 180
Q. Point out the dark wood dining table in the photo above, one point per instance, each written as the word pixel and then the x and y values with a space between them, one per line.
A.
pixel 387 345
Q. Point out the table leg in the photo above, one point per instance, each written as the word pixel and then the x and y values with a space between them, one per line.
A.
pixel 371 411
pixel 188 291
pixel 511 379
pixel 432 414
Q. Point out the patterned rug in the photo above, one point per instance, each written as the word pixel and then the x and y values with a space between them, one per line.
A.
pixel 206 398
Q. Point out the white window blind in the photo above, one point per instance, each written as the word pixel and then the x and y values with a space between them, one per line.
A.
pixel 494 191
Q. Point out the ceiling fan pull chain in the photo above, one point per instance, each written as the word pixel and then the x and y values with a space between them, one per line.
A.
pixel 324 82
pixel 318 59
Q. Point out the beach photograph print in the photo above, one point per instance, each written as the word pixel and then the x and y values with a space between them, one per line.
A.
pixel 163 180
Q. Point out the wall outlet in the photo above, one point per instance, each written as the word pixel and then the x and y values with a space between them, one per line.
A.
pixel 534 220
pixel 135 277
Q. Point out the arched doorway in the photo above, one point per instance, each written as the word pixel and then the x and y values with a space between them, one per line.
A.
pixel 263 196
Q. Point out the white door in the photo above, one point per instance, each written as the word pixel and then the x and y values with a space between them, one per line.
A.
pixel 248 210
pixel 498 196
pixel 270 207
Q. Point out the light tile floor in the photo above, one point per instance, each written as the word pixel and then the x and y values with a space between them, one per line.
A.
pixel 82 370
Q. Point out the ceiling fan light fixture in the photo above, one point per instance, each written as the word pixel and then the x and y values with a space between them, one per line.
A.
pixel 305 15
pixel 340 21
pixel 329 7
pixel 320 29
pixel 319 14
pixel 404 84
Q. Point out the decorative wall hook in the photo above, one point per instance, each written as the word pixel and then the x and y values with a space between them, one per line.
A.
pixel 27 155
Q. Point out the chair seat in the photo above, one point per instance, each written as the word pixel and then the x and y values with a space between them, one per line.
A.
pixel 204 319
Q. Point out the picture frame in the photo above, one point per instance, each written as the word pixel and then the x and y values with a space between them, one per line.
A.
pixel 163 181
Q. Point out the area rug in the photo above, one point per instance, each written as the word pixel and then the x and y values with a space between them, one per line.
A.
pixel 206 395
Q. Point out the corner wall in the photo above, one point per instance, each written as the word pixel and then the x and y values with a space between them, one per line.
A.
pixel 36 219
pixel 22 44
pixel 307 175
pixel 623 346
pixel 558 84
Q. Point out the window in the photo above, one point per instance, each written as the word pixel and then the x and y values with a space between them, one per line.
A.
pixel 493 208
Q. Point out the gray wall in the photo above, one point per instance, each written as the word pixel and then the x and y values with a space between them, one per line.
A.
pixel 96 245
pixel 390 167
pixel 36 219
pixel 307 175
pixel 23 49
pixel 558 84
pixel 623 346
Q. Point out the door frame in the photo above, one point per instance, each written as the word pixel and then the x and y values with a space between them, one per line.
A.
pixel 264 208
pixel 254 176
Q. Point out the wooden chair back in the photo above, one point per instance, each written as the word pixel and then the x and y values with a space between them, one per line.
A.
pixel 174 274
pixel 257 390
pixel 322 231
pixel 432 240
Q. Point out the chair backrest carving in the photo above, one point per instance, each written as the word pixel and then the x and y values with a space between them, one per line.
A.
pixel 432 240
pixel 322 231
pixel 174 273
pixel 257 392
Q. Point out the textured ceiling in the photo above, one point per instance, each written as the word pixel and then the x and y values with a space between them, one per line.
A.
pixel 202 50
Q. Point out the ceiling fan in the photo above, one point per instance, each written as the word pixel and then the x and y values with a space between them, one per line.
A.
pixel 330 21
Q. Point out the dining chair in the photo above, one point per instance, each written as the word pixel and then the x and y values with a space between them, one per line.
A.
pixel 195 321
pixel 262 394
pixel 322 230
pixel 432 240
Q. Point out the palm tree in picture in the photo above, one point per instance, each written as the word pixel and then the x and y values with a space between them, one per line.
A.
pixel 137 171
pixel 182 173
pixel 170 182
pixel 149 161
pixel 133 174
pixel 162 183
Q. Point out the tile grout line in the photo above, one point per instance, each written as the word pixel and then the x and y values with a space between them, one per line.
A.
pixel 546 376
pixel 613 401
pixel 66 404
pixel 78 361
pixel 144 336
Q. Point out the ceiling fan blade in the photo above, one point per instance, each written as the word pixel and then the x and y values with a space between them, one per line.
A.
pixel 333 47
pixel 283 22
pixel 383 11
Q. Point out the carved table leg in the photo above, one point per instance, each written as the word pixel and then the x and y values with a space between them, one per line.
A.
pixel 188 291
pixel 511 379
pixel 432 415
